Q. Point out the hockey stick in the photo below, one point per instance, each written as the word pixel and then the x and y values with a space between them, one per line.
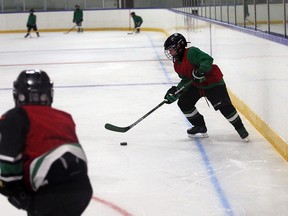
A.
pixel 125 129
pixel 70 29
pixel 130 33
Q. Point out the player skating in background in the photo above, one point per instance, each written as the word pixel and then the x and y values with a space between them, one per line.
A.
pixel 43 166
pixel 32 23
pixel 192 63
pixel 78 18
pixel 137 22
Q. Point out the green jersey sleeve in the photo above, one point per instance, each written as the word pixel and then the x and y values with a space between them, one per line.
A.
pixel 200 59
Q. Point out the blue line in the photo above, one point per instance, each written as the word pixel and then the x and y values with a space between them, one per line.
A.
pixel 220 193
pixel 101 85
pixel 160 60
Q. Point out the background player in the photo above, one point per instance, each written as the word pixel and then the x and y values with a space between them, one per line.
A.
pixel 137 22
pixel 78 18
pixel 32 23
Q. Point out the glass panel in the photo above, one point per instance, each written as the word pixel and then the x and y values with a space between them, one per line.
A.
pixel 276 18
pixel 249 13
pixel 200 7
pixel 207 8
pixel 13 5
pixel 225 11
pixel 195 7
pixel 213 9
pixel 36 5
pixel 286 19
pixel 94 4
pixel 184 9
pixel 262 15
pixel 71 4
pixel 219 9
pixel 111 4
pixel 240 13
pixel 232 11
pixel 56 4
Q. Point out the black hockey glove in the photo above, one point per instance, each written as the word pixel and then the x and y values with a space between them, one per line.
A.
pixel 21 200
pixel 198 76
pixel 170 95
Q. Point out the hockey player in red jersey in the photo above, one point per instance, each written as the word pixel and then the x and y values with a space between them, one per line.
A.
pixel 194 64
pixel 43 168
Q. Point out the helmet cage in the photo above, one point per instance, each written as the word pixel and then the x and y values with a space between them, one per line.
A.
pixel 167 52
pixel 178 43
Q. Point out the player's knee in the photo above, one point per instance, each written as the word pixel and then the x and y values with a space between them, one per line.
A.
pixel 222 104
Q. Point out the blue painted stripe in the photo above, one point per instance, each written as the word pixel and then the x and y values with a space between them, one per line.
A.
pixel 214 181
pixel 103 85
pixel 160 60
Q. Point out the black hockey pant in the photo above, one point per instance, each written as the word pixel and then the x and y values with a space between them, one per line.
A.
pixel 218 97
pixel 67 193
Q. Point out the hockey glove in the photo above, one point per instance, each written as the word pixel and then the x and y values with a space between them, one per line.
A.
pixel 170 95
pixel 182 83
pixel 21 200
pixel 198 76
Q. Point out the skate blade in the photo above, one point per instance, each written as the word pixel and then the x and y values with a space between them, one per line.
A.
pixel 246 139
pixel 199 135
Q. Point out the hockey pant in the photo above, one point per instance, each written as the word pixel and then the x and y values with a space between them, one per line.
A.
pixel 217 96
pixel 66 194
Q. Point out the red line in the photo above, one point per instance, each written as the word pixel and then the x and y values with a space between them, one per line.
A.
pixel 112 206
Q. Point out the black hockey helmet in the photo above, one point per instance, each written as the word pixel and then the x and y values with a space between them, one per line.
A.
pixel 33 87
pixel 132 14
pixel 77 6
pixel 31 10
pixel 176 41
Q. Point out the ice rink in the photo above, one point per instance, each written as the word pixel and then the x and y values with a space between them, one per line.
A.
pixel 113 77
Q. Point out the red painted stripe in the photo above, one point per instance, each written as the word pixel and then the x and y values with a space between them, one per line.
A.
pixel 112 206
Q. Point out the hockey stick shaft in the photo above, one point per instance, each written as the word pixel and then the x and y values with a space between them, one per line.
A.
pixel 132 31
pixel 125 129
pixel 70 29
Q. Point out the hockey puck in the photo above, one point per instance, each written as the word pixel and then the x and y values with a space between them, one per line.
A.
pixel 123 143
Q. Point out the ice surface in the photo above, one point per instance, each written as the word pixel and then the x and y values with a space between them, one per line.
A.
pixel 112 77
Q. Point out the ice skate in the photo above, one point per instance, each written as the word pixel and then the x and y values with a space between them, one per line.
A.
pixel 243 134
pixel 26 35
pixel 197 131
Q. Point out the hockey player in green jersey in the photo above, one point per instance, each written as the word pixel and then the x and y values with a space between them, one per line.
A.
pixel 194 64
pixel 137 22
pixel 31 23
pixel 78 18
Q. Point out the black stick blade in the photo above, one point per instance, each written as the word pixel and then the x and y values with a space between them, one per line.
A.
pixel 116 128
